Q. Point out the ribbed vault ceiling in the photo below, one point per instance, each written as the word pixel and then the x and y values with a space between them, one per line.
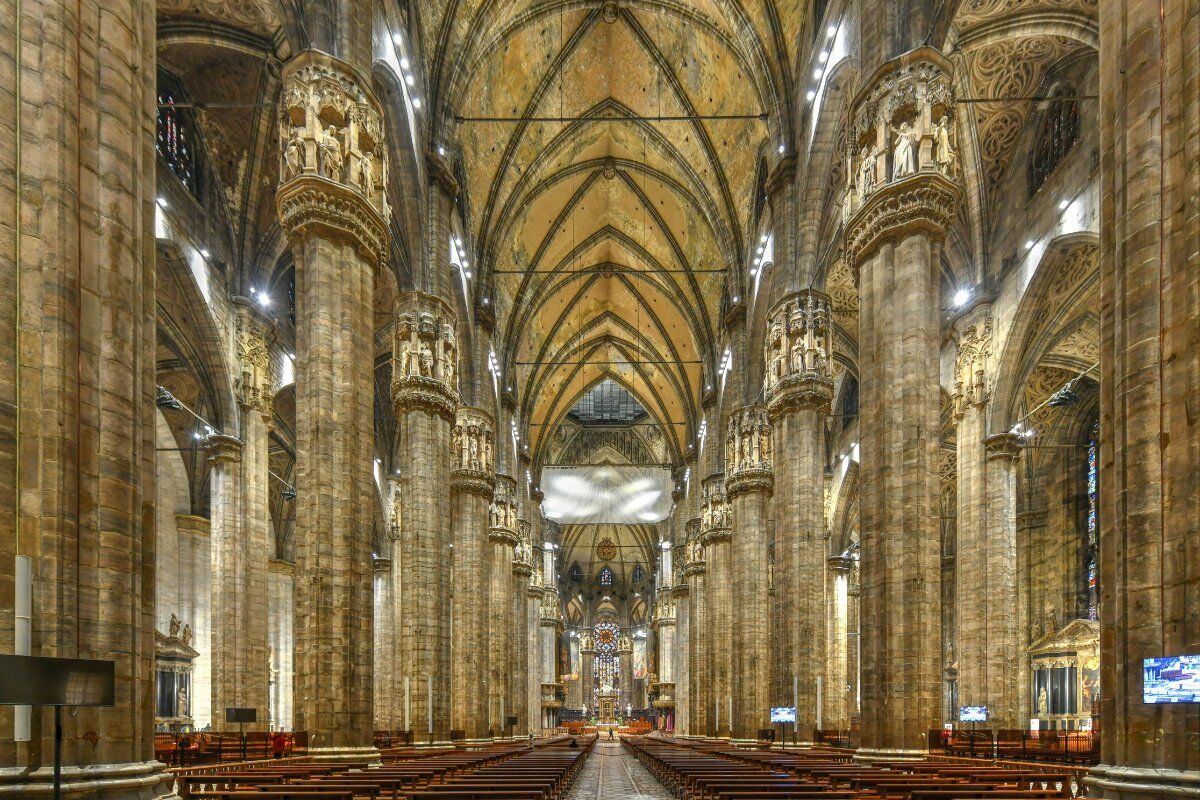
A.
pixel 603 228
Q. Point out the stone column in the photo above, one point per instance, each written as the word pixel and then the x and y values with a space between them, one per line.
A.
pixel 388 709
pixel 854 641
pixel 716 531
pixel 798 384
pixel 473 659
pixel 332 205
pixel 681 593
pixel 241 541
pixel 587 654
pixel 425 396
pixel 700 701
pixel 77 389
pixel 522 568
pixel 548 651
pixel 625 664
pixel 837 641
pixel 749 481
pixel 897 221
pixel 1149 382
pixel 985 583
pixel 502 536
pixel 664 642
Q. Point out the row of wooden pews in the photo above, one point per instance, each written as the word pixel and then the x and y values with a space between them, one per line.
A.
pixel 710 770
pixel 508 771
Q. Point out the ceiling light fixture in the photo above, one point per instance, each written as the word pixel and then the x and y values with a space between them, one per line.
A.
pixel 961 297
pixel 831 31
pixel 810 95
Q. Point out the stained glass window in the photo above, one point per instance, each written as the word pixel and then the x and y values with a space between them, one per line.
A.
pixel 1055 136
pixel 576 572
pixel 606 635
pixel 638 573
pixel 176 140
pixel 1092 550
pixel 606 577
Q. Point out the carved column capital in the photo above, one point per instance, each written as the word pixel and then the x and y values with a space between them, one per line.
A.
pixel 748 458
pixel 973 338
pixel 901 160
pixel 254 333
pixel 1003 446
pixel 333 174
pixel 716 517
pixel 223 449
pixel 424 355
pixel 840 565
pixel 471 468
pixel 799 353
pixel 502 522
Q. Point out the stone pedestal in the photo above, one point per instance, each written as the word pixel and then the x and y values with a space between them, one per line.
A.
pixel 899 210
pixel 333 210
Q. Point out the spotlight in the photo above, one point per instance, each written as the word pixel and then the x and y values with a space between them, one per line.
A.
pixel 1062 206
pixel 1029 245
pixel 831 31
pixel 961 297
pixel 165 399
pixel 782 149
pixel 162 203
pixel 817 73
pixel 203 253
pixel 416 101
pixel 410 80
pixel 810 95
pixel 442 152
pixel 398 39
pixel 288 493
pixel 404 63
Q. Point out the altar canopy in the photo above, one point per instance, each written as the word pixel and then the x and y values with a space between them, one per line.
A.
pixel 619 494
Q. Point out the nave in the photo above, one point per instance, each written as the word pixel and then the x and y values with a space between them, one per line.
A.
pixel 389 380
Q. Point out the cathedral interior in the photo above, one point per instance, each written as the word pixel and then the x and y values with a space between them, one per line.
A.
pixel 432 379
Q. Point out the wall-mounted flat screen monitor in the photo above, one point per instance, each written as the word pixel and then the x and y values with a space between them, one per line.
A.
pixel 972 714
pixel 241 715
pixel 783 714
pixel 1171 679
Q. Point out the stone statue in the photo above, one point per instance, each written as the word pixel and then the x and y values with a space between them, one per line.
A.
pixel 366 174
pixel 487 454
pixel 406 365
pixel 181 702
pixel 448 367
pixel 904 158
pixel 173 626
pixel 866 172
pixel 797 358
pixel 1043 703
pixel 944 154
pixel 293 155
pixel 186 636
pixel 331 154
pixel 473 445
pixel 426 361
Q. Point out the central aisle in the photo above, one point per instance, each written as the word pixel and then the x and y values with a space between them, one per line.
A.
pixel 612 774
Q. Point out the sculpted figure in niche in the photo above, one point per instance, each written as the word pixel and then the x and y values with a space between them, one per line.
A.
pixel 331 154
pixel 473 444
pixel 487 453
pixel 944 154
pixel 426 361
pixel 186 636
pixel 448 367
pixel 366 171
pixel 293 155
pixel 181 702
pixel 406 365
pixel 866 172
pixel 798 357
pixel 457 444
pixel 904 158
pixel 1043 703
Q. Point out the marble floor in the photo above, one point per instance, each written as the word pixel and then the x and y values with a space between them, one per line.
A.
pixel 612 774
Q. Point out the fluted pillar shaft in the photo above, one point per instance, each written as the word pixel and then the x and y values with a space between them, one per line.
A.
pixel 472 483
pixel 799 387
pixel 425 397
pixel 1149 381
pixel 899 218
pixel 77 382
pixel 716 531
pixel 837 641
pixel 699 669
pixel 388 709
pixel 749 482
pixel 502 543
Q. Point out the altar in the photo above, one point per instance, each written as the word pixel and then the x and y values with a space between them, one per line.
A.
pixel 606 706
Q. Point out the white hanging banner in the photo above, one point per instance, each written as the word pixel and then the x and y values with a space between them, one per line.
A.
pixel 615 494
